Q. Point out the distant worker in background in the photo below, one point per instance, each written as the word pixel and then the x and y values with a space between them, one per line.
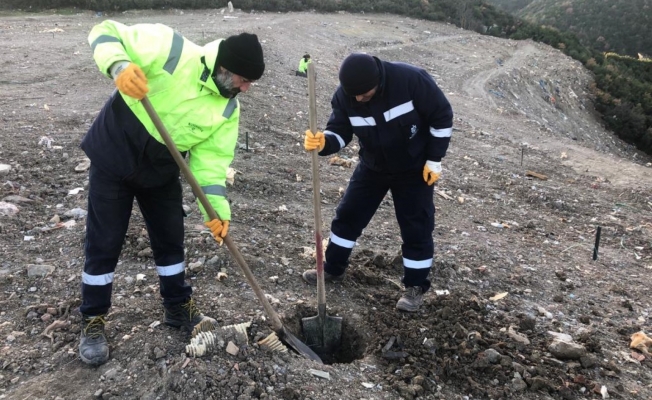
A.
pixel 194 90
pixel 303 66
pixel 404 124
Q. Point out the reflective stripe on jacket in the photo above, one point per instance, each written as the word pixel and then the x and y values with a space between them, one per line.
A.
pixel 197 117
pixel 406 123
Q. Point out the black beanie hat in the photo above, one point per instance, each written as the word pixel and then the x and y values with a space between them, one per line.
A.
pixel 242 55
pixel 359 74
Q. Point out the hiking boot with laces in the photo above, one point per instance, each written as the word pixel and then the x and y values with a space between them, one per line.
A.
pixel 186 316
pixel 310 276
pixel 411 300
pixel 93 348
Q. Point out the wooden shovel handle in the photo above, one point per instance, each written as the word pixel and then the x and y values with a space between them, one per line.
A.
pixel 316 195
pixel 277 325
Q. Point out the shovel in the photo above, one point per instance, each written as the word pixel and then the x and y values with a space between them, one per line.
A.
pixel 322 332
pixel 281 332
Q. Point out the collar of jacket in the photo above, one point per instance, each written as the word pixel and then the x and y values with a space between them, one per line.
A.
pixel 209 59
pixel 381 80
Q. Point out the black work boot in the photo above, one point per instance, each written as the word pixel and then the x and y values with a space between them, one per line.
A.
pixel 93 348
pixel 310 276
pixel 186 316
pixel 411 300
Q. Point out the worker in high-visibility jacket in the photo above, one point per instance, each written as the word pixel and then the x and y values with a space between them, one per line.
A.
pixel 303 65
pixel 193 89
pixel 404 124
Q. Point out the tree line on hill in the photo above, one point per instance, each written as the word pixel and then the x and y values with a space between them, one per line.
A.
pixel 620 26
pixel 623 84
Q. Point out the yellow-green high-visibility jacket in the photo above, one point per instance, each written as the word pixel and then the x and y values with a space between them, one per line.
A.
pixel 303 65
pixel 199 119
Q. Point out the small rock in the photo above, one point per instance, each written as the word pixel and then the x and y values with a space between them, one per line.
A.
pixel 492 355
pixel 146 252
pixel 588 361
pixel 8 209
pixel 232 349
pixel 539 383
pixel 195 266
pixel 561 336
pixel 76 213
pixel 158 353
pixel 379 261
pixel 83 166
pixel 39 271
pixel 518 336
pixel 544 312
pixel 566 350
pixel 111 374
pixel 527 322
pixel 520 369
pixel 17 199
pixel 518 384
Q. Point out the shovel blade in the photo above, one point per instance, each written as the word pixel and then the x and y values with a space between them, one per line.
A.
pixel 297 345
pixel 323 333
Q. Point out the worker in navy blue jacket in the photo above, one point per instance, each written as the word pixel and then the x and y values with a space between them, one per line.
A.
pixel 403 123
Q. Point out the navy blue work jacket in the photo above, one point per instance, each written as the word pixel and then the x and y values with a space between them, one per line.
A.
pixel 407 122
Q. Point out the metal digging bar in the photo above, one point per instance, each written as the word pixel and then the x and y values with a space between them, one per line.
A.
pixel 322 332
pixel 283 334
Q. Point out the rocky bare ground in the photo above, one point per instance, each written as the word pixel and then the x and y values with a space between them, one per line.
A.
pixel 519 309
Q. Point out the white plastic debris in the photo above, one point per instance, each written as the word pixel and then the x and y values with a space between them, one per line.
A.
pixel 320 374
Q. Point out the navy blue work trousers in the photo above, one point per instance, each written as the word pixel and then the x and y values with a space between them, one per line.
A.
pixel 415 213
pixel 110 203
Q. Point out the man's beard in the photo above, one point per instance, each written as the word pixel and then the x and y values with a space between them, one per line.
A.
pixel 224 82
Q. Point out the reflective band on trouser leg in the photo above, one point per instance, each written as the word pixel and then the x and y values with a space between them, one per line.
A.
pixel 174 288
pixel 171 270
pixel 348 244
pixel 415 273
pixel 338 252
pixel 96 293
